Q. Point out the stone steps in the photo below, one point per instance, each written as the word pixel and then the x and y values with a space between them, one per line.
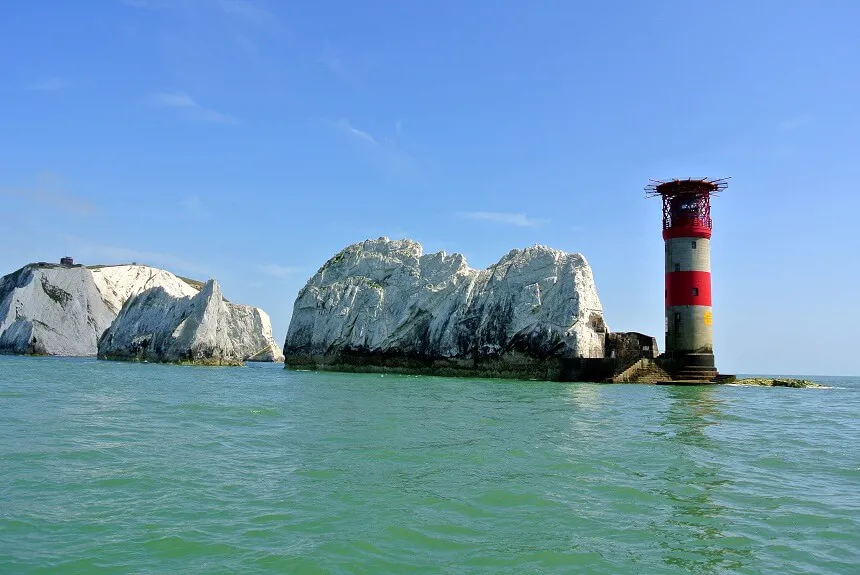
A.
pixel 649 371
pixel 695 373
pixel 643 371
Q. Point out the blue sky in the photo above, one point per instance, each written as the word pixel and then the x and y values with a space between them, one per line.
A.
pixel 249 141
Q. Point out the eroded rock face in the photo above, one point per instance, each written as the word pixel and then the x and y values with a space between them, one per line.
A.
pixel 384 304
pixel 48 309
pixel 203 329
pixel 119 283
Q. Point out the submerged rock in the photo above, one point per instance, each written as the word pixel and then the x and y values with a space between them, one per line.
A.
pixel 777 382
pixel 204 329
pixel 47 309
pixel 383 304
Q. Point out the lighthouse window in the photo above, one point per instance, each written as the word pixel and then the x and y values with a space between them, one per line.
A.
pixel 695 291
pixel 677 267
pixel 694 244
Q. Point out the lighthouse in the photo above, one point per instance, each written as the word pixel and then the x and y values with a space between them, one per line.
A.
pixel 687 229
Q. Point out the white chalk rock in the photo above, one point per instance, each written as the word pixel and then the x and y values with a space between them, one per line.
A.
pixel 385 299
pixel 48 309
pixel 119 283
pixel 64 310
pixel 204 329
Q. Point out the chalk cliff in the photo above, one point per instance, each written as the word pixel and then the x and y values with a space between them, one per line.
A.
pixel 117 284
pixel 204 329
pixel 49 309
pixel 384 305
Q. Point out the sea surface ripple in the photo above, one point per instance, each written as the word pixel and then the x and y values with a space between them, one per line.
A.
pixel 127 468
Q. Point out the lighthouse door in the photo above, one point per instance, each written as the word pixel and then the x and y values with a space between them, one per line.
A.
pixel 677 322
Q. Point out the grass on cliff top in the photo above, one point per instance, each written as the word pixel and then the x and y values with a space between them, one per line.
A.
pixel 198 285
pixel 778 382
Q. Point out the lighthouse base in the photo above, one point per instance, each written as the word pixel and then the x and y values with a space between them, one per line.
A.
pixel 694 360
pixel 692 367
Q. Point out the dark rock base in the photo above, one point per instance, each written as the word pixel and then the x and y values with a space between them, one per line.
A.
pixel 202 361
pixel 508 366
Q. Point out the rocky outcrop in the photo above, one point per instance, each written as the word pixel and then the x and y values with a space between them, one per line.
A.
pixel 204 329
pixel 47 309
pixel 384 305
pixel 778 382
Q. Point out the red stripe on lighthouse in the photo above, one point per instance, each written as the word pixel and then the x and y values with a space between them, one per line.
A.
pixel 688 288
pixel 694 229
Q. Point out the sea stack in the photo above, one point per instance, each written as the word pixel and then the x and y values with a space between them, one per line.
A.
pixel 205 329
pixel 383 305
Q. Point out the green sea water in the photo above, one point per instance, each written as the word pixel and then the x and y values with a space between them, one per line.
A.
pixel 130 468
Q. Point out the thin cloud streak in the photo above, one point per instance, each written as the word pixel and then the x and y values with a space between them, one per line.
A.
pixel 97 253
pixel 146 4
pixel 330 59
pixel 792 124
pixel 192 203
pixel 384 155
pixel 348 128
pixel 334 64
pixel 181 100
pixel 244 22
pixel 252 13
pixel 45 85
pixel 276 270
pixel 47 191
pixel 507 218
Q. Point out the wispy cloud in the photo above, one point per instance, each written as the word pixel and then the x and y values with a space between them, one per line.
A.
pixel 276 270
pixel 253 13
pixel 150 4
pixel 246 44
pixel 348 71
pixel 45 85
pixel 390 159
pixel 508 218
pixel 347 128
pixel 183 101
pixel 334 64
pixel 91 252
pixel 192 203
pixel 174 100
pixel 792 124
pixel 248 23
pixel 49 190
pixel 332 61
pixel 207 26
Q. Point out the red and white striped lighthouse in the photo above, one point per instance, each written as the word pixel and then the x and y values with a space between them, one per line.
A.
pixel 687 233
